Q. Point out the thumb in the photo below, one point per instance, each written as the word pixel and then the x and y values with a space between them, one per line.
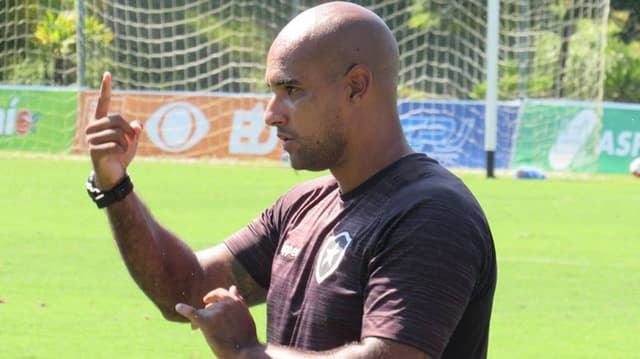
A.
pixel 137 130
pixel 235 292
pixel 188 312
pixel 137 126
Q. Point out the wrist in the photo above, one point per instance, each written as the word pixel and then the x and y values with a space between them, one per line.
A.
pixel 108 182
pixel 104 198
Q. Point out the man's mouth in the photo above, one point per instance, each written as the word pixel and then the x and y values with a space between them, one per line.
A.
pixel 284 137
pixel 287 141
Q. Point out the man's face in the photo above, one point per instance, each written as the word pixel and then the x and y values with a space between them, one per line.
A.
pixel 306 108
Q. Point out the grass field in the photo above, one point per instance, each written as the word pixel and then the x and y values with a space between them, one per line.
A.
pixel 568 252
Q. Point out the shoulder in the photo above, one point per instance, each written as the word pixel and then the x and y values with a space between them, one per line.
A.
pixel 323 183
pixel 309 190
pixel 430 205
pixel 304 196
pixel 421 182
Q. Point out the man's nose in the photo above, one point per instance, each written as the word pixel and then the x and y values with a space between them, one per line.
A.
pixel 274 114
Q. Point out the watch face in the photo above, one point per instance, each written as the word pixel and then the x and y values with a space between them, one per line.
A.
pixel 91 186
pixel 94 193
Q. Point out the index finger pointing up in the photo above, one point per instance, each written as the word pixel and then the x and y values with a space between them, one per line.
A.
pixel 102 109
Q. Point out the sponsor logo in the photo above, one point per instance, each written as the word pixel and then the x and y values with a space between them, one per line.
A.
pixel 626 143
pixel 177 126
pixel 26 122
pixel 247 126
pixel 439 135
pixel 331 254
pixel 289 251
pixel 14 121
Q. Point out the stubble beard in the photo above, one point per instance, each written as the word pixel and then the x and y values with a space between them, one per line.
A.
pixel 319 154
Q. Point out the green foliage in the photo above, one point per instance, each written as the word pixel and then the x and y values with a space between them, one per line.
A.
pixel 408 93
pixel 423 19
pixel 231 36
pixel 547 49
pixel 622 56
pixel 510 84
pixel 584 55
pixel 13 15
pixel 626 15
pixel 55 43
pixel 623 52
pixel 96 32
pixel 560 8
pixel 622 83
pixel 30 71
pixel 55 35
pixel 96 36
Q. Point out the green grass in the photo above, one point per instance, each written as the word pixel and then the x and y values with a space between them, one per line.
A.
pixel 568 253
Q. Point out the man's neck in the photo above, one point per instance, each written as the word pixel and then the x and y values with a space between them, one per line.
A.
pixel 355 170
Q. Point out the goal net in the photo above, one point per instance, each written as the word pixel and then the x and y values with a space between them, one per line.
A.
pixel 163 50
pixel 549 50
pixel 37 50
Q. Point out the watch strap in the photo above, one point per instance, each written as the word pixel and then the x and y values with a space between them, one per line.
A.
pixel 104 199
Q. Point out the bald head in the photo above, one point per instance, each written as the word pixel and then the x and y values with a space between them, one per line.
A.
pixel 338 35
pixel 333 73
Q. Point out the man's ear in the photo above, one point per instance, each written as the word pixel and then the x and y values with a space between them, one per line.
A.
pixel 359 79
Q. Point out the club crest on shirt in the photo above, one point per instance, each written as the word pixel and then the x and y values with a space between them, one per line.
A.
pixel 331 255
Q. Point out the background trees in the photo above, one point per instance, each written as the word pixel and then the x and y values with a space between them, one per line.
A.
pixel 197 49
pixel 623 52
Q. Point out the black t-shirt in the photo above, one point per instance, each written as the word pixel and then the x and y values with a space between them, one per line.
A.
pixel 408 256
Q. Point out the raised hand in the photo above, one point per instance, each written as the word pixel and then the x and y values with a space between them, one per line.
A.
pixel 226 322
pixel 112 140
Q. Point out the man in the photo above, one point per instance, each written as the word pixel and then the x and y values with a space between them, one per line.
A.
pixel 390 257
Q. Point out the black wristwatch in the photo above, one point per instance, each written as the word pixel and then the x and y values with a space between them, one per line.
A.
pixel 106 198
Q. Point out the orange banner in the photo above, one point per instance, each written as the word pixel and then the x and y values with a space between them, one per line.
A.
pixel 190 126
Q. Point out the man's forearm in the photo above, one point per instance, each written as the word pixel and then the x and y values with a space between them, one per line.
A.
pixel 164 267
pixel 369 348
pixel 270 351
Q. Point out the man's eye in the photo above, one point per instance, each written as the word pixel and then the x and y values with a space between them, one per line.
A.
pixel 291 90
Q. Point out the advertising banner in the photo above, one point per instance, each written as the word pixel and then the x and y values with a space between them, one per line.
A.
pixel 191 125
pixel 620 137
pixel 36 119
pixel 452 132
pixel 558 136
pixel 578 136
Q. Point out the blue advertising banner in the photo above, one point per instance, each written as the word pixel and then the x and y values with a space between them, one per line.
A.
pixel 452 132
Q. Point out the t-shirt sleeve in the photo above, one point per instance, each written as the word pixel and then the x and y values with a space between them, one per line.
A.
pixel 421 277
pixel 255 245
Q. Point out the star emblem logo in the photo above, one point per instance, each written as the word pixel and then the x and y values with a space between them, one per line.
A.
pixel 331 254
